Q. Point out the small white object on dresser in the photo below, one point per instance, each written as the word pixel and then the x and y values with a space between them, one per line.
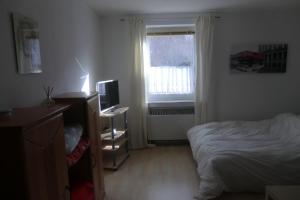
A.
pixel 283 192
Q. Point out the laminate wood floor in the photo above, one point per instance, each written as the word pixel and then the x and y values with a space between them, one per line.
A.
pixel 159 173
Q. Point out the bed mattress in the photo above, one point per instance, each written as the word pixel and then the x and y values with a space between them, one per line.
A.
pixel 241 156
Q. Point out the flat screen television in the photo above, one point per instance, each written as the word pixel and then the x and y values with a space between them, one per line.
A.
pixel 108 94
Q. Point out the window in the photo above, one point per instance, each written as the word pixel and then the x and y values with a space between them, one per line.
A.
pixel 171 70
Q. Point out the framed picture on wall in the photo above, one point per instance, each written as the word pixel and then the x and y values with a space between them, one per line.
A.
pixel 261 58
pixel 27 44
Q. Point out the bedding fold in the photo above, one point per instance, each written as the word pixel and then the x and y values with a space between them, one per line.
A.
pixel 241 156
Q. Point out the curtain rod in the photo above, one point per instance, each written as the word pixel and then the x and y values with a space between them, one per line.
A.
pixel 158 18
pixel 171 33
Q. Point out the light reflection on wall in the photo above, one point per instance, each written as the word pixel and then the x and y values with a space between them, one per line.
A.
pixel 85 78
pixel 86 83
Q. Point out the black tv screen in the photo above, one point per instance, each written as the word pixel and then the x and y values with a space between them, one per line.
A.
pixel 108 93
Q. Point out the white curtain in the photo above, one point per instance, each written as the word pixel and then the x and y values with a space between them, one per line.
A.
pixel 204 45
pixel 138 105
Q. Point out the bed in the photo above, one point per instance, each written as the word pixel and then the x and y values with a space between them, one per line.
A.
pixel 239 156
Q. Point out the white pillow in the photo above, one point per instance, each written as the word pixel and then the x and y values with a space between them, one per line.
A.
pixel 73 133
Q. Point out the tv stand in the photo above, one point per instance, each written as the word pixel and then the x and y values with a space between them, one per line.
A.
pixel 115 141
pixel 113 109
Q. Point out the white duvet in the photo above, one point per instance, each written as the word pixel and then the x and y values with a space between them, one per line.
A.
pixel 245 156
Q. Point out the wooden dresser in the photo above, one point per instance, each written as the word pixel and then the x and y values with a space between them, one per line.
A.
pixel 33 164
pixel 33 156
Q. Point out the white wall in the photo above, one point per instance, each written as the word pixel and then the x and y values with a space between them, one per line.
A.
pixel 236 96
pixel 68 30
pixel 256 96
pixel 116 57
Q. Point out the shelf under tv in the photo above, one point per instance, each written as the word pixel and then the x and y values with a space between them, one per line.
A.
pixel 107 136
pixel 109 147
pixel 115 112
pixel 114 141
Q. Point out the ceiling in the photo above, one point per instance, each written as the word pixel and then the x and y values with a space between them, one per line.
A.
pixel 113 7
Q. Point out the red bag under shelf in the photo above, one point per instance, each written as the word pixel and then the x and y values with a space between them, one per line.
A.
pixel 82 191
pixel 73 157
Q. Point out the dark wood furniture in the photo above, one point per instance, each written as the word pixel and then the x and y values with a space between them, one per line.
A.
pixel 85 110
pixel 32 151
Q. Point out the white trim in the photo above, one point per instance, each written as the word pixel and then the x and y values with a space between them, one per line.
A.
pixel 170 97
pixel 171 104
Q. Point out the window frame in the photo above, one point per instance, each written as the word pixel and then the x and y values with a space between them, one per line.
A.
pixel 158 30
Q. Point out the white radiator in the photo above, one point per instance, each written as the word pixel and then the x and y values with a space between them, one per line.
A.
pixel 170 123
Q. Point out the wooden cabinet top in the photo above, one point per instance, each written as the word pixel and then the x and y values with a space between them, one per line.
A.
pixel 76 96
pixel 28 117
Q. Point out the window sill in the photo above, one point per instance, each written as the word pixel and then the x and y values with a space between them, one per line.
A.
pixel 171 108
pixel 171 104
